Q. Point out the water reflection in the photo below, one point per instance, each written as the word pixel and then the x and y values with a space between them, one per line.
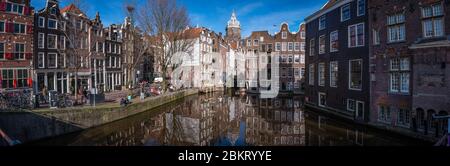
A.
pixel 221 120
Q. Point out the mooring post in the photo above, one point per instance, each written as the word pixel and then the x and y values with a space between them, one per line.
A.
pixel 448 131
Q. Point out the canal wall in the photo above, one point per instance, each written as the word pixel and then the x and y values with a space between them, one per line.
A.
pixel 348 118
pixel 29 126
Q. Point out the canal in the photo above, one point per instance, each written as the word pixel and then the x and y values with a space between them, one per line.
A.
pixel 223 120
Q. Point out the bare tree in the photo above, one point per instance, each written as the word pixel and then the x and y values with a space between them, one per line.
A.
pixel 163 23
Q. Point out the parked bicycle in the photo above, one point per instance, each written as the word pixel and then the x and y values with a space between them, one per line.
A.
pixel 64 101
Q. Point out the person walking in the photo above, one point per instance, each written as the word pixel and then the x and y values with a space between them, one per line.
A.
pixel 45 94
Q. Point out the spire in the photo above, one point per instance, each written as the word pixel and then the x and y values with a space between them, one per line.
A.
pixel 233 21
pixel 97 17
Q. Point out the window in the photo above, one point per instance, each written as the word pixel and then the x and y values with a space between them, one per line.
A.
pixel 403 117
pixel 52 60
pixel 334 73
pixel 376 37
pixel 7 78
pixel 302 46
pixel 41 22
pixel 297 58
pixel 351 105
pixel 311 74
pixel 249 42
pixel 2 50
pixel 19 28
pixel 2 26
pixel 302 59
pixel 283 46
pixel 361 7
pixel 345 12
pixel 396 27
pixel 302 35
pixel 322 99
pixel 290 59
pixel 432 20
pixel 297 46
pixel 41 60
pixel 52 24
pixel 51 41
pixel 22 77
pixel 278 46
pixel 290 46
pixel 255 42
pixel 19 51
pixel 322 22
pixel 384 114
pixel 355 77
pixel 356 35
pixel 41 40
pixel 62 42
pixel 53 11
pixel 302 72
pixel 321 74
pixel 322 44
pixel 14 8
pixel 269 47
pixel 334 44
pixel 312 46
pixel 399 75
pixel 283 35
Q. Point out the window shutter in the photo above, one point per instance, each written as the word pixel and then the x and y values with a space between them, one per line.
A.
pixel 15 83
pixel 28 55
pixel 11 27
pixel 30 29
pixel 26 10
pixel 6 26
pixel 2 6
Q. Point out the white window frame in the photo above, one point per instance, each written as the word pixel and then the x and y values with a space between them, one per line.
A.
pixel 322 22
pixel 318 99
pixel 283 35
pixel 321 74
pixel 56 60
pixel 311 73
pixel 348 104
pixel 41 56
pixel 350 12
pixel 350 71
pixel 43 22
pixel 297 46
pixel 356 35
pixel 302 46
pixel 357 8
pixel 283 46
pixel 43 40
pixel 289 46
pixel 331 41
pixel 48 23
pixel 56 41
pixel 322 50
pixel 312 47
pixel 376 37
pixel 331 74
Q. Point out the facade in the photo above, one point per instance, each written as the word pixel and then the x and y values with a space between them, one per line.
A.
pixel 287 47
pixel 113 63
pixel 410 63
pixel 16 44
pixel 50 49
pixel 337 59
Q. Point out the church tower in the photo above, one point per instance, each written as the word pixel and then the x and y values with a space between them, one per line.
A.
pixel 233 30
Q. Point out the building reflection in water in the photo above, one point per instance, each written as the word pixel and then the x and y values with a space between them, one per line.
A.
pixel 221 120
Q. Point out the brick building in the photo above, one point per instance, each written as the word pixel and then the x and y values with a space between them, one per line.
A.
pixel 288 46
pixel 16 44
pixel 337 59
pixel 50 49
pixel 410 58
pixel 113 60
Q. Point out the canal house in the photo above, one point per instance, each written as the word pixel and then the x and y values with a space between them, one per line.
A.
pixel 337 59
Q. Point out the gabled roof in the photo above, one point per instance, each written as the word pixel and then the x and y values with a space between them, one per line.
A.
pixel 72 9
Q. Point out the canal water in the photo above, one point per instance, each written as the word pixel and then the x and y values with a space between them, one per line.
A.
pixel 224 120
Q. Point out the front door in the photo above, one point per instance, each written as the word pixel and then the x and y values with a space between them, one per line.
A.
pixel 360 110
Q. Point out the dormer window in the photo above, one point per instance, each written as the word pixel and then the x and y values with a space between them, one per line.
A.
pixel 52 11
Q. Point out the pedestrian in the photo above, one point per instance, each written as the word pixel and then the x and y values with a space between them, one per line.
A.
pixel 81 93
pixel 44 93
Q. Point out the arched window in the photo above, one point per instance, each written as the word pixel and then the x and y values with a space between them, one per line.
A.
pixel 420 118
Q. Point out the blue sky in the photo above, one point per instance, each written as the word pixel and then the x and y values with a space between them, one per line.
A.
pixel 254 15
